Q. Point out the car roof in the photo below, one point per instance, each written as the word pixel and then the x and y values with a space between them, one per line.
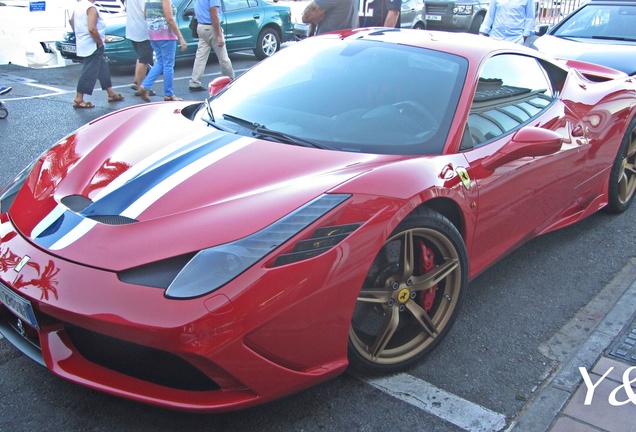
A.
pixel 473 47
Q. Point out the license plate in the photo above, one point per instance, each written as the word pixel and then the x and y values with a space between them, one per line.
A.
pixel 18 305
pixel 433 17
pixel 68 48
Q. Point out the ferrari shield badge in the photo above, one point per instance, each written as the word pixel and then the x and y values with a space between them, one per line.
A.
pixel 463 175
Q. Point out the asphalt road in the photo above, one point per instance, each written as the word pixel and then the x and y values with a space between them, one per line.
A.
pixel 493 357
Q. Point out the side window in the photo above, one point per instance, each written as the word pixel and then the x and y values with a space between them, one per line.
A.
pixel 512 90
pixel 232 5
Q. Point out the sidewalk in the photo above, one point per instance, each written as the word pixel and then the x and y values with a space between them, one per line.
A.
pixel 605 400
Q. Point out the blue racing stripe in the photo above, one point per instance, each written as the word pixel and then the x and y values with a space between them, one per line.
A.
pixel 115 202
pixel 120 199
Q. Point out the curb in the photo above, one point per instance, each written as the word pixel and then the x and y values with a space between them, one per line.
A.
pixel 544 409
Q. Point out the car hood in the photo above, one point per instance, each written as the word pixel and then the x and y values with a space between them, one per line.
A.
pixel 146 183
pixel 611 53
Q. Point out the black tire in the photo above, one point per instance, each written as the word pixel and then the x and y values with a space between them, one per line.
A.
pixel 477 22
pixel 420 26
pixel 403 311
pixel 267 44
pixel 4 113
pixel 622 183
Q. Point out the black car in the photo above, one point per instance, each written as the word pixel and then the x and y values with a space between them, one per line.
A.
pixel 601 31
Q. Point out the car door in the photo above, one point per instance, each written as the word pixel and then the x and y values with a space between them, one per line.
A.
pixel 523 196
pixel 241 22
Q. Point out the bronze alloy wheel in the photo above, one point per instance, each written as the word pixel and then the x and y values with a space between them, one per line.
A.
pixel 627 180
pixel 622 186
pixel 411 295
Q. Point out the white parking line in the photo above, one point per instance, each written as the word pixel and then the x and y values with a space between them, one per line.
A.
pixel 57 91
pixel 447 406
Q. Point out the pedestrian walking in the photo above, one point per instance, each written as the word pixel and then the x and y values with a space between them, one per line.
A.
pixel 163 34
pixel 90 32
pixel 210 37
pixel 511 20
pixel 137 33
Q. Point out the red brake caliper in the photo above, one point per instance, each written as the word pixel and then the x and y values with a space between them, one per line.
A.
pixel 427 264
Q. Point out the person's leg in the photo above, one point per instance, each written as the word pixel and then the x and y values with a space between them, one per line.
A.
pixel 144 60
pixel 201 59
pixel 224 59
pixel 87 80
pixel 153 74
pixel 169 49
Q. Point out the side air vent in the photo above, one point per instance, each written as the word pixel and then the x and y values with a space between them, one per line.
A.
pixel 159 274
pixel 321 241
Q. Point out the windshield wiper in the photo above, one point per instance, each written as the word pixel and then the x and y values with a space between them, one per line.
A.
pixel 259 130
pixel 619 38
pixel 211 121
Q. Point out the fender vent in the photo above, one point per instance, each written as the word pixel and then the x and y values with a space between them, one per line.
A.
pixel 321 241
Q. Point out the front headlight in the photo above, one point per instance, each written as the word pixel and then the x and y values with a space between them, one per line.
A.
pixel 113 38
pixel 463 10
pixel 212 268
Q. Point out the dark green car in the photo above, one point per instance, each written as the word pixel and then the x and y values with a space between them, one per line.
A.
pixel 256 25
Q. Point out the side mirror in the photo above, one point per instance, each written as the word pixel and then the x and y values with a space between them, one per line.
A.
pixel 218 84
pixel 542 29
pixel 529 141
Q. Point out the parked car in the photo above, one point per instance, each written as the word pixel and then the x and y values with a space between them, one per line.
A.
pixel 411 16
pixel 327 208
pixel 460 15
pixel 255 25
pixel 601 31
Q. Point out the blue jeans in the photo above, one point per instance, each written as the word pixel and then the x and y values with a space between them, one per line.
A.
pixel 165 51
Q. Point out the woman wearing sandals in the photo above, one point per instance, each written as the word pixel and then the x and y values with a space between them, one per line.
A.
pixel 163 34
pixel 89 30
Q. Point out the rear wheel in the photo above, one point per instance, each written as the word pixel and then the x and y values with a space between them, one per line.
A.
pixel 267 44
pixel 411 295
pixel 622 183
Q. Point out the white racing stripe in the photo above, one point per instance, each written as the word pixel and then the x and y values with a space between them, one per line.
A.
pixel 433 400
pixel 153 195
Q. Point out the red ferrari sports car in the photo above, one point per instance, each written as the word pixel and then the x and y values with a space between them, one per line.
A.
pixel 326 209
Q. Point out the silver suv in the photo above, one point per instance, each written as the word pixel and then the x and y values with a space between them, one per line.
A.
pixel 461 15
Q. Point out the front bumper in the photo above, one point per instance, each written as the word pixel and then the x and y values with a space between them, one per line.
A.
pixel 269 333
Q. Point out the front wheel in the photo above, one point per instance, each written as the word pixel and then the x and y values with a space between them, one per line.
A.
pixel 267 44
pixel 411 295
pixel 622 183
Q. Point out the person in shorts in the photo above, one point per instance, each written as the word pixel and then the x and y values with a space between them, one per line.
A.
pixel 137 33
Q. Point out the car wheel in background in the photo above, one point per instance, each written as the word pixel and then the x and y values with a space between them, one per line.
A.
pixel 477 22
pixel 267 44
pixel 622 184
pixel 411 295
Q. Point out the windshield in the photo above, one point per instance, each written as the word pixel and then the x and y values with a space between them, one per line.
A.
pixel 601 21
pixel 359 95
